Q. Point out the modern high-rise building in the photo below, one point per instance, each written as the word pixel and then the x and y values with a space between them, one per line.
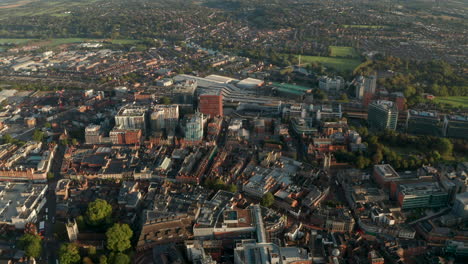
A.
pixel 456 126
pixel 460 206
pixel 382 115
pixel 211 104
pixel 93 134
pixel 164 117
pixel 424 123
pixel 131 117
pixel 194 127
pixel 371 84
pixel 365 85
pixel 183 91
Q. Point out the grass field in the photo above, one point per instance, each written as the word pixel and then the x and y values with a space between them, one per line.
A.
pixel 340 64
pixel 364 26
pixel 337 51
pixel 14 41
pixel 458 101
pixel 36 8
pixel 124 41
pixel 61 41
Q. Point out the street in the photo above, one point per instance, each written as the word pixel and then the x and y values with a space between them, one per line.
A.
pixel 51 246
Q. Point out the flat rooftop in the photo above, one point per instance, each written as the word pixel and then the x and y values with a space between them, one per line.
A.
pixel 132 110
pixel 14 196
pixel 427 114
pixel 422 188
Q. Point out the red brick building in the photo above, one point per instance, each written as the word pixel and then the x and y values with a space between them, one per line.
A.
pixel 125 136
pixel 211 104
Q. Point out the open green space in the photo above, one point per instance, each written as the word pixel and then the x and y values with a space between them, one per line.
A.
pixel 60 41
pixel 406 151
pixel 291 88
pixel 124 41
pixel 364 26
pixel 37 8
pixel 337 51
pixel 457 101
pixel 340 64
pixel 4 41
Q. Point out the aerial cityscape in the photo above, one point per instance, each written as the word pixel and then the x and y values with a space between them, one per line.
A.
pixel 233 131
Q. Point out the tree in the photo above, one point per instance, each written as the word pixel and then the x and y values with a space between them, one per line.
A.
pixel 268 200
pixel 118 237
pixel 74 141
pixel 377 157
pixel 50 175
pixel 103 259
pixel 119 258
pixel 31 244
pixel 87 260
pixel 165 100
pixel 218 184
pixel 69 254
pixel 436 155
pixel 38 135
pixel 444 146
pixel 362 162
pixel 81 222
pixel 7 138
pixel 344 97
pixel 47 125
pixel 98 213
pixel 232 188
pixel 92 251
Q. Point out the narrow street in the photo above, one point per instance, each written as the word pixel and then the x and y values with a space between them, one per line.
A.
pixel 50 244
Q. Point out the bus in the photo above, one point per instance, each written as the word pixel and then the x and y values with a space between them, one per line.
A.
pixel 41 227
